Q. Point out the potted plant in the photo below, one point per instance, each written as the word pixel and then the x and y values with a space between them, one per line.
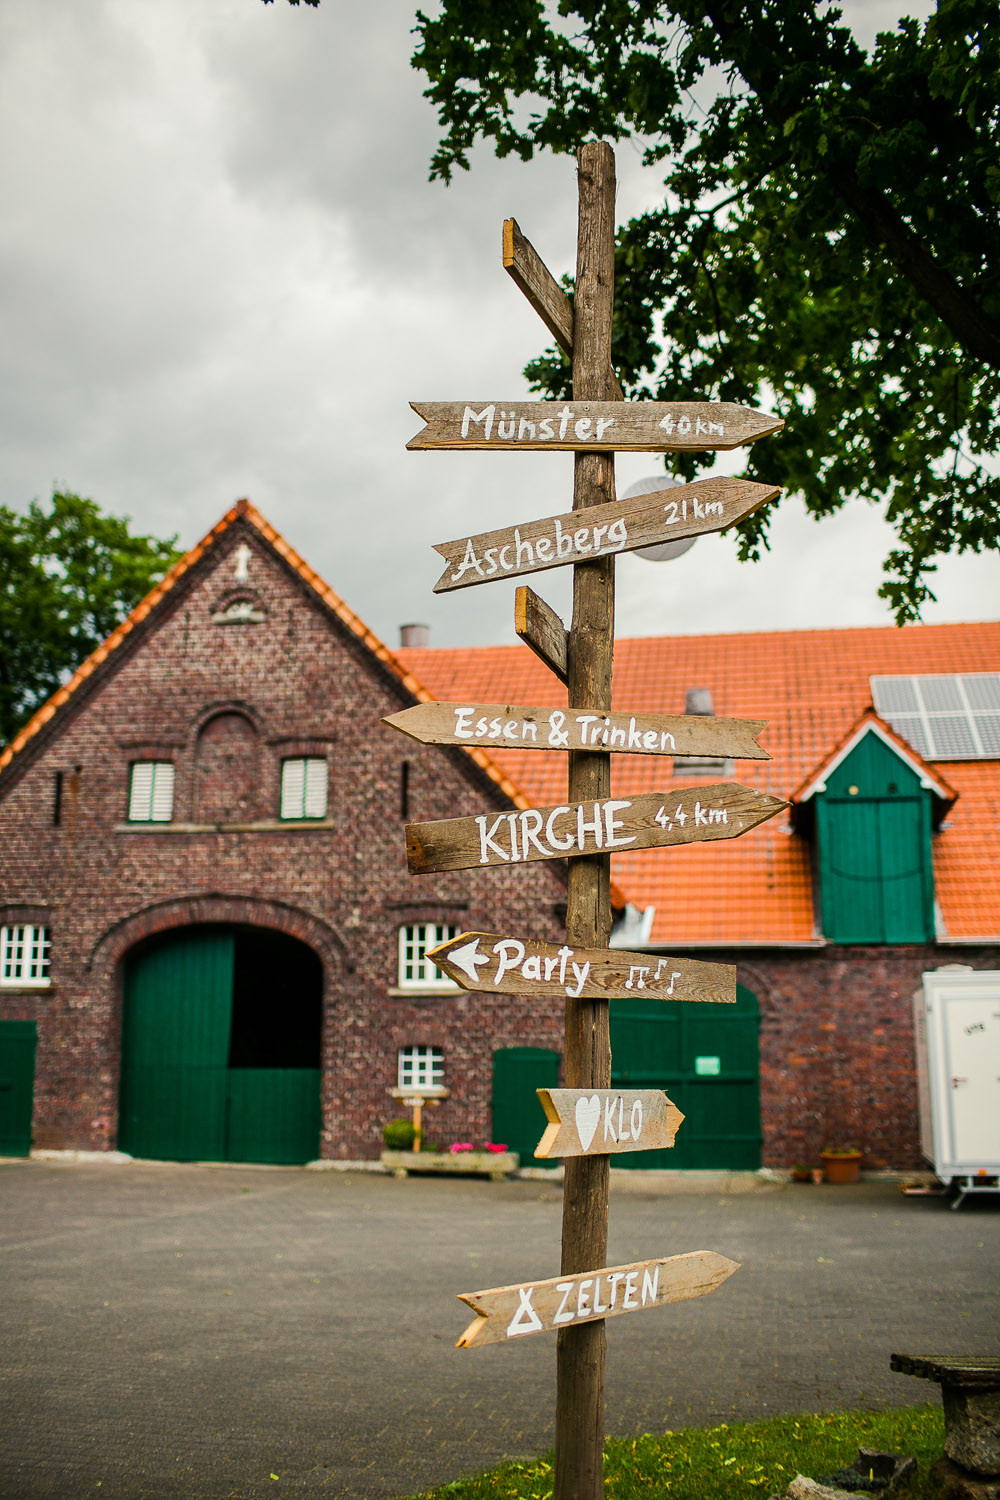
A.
pixel 800 1172
pixel 841 1163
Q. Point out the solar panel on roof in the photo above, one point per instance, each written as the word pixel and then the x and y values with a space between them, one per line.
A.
pixel 945 717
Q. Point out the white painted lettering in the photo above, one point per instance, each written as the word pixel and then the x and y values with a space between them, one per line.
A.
pixel 634 736
pixel 531 822
pixel 566 1287
pixel 618 533
pixel 462 718
pixel 630 1289
pixel 582 428
pixel 612 824
pixel 599 1306
pixel 532 967
pixel 564 543
pixel 581 539
pixel 613 1279
pixel 583 1308
pixel 487 841
pixel 509 954
pixel 580 973
pixel 603 423
pixel 510 729
pixel 596 827
pixel 544 548
pixel 565 417
pixel 566 841
pixel 515 855
pixel 609 1119
pixel 469 561
pixel 486 416
pixel 565 954
pixel 635 1120
pixel 526 430
pixel 510 426
pixel 558 735
pixel 551 964
pixel 667 741
pixel 650 1284
pixel 545 429
pixel 649 740
pixel 525 1320
pixel 523 549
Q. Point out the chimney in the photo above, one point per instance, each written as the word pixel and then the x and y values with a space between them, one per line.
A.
pixel 417 636
pixel 699 701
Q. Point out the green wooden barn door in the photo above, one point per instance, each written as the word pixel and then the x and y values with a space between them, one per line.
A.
pixel 18 1040
pixel 706 1059
pixel 175 1048
pixel 518 1118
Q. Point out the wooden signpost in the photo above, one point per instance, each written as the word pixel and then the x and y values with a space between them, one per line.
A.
pixel 588 1120
pixel 506 1312
pixel 609 1120
pixel 506 726
pixel 513 966
pixel 621 526
pixel 652 821
pixel 591 425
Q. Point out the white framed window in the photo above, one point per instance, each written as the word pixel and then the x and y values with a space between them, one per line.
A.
pixel 24 955
pixel 420 1068
pixel 151 791
pixel 416 970
pixel 303 787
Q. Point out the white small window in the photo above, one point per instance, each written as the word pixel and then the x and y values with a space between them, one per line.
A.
pixel 303 788
pixel 416 970
pixel 151 792
pixel 24 955
pixel 421 1068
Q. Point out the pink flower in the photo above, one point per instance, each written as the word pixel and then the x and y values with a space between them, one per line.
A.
pixel 457 1146
pixel 498 1149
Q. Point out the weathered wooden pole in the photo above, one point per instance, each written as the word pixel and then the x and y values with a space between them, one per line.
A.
pixel 581 1350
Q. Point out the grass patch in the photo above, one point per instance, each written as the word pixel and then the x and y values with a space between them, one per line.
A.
pixel 735 1461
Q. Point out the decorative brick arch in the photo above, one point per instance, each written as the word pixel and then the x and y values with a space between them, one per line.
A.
pixel 110 949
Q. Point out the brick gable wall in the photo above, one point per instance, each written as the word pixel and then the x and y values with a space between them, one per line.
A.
pixel 226 702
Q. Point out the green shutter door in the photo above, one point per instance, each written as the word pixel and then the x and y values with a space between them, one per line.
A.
pixel 175 1049
pixel 705 1057
pixel 18 1040
pixel 274 1115
pixel 518 1117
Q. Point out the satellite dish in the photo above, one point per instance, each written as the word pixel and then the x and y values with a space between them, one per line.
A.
pixel 660 551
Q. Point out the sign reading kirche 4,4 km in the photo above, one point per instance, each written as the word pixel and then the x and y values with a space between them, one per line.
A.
pixel 607 426
pixel 653 821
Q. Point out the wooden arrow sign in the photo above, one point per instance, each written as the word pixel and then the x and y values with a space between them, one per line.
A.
pixel 722 811
pixel 498 965
pixel 579 426
pixel 506 725
pixel 600 531
pixel 584 1122
pixel 506 1312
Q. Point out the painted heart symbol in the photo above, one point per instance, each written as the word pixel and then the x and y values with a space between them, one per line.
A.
pixel 588 1117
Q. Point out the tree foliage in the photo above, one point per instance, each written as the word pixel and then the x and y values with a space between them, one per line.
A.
pixel 828 244
pixel 68 575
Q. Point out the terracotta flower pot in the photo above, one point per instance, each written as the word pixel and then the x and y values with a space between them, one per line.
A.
pixel 842 1166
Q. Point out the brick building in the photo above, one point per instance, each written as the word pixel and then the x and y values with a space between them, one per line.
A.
pixel 204 900
pixel 206 916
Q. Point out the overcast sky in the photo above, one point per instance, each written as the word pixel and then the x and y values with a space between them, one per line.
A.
pixel 225 273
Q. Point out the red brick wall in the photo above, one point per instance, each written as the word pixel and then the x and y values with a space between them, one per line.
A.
pixel 217 698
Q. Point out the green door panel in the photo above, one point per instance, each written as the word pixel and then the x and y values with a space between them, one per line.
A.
pixel 199 1006
pixel 274 1115
pixel 518 1117
pixel 705 1058
pixel 18 1041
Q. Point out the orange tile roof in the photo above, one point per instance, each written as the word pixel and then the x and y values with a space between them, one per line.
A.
pixel 811 686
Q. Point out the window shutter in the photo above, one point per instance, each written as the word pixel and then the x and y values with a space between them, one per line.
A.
pixel 162 803
pixel 314 801
pixel 293 776
pixel 140 799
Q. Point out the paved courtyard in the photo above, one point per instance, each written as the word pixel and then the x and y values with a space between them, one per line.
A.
pixel 198 1332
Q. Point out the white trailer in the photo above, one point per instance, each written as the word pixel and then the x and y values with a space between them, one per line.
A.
pixel 957 1029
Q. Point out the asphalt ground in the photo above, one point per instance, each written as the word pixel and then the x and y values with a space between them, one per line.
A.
pixel 193 1333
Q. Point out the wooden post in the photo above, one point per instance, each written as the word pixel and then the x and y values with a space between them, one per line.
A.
pixel 580 1355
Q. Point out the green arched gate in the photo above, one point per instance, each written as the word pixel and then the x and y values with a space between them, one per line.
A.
pixel 705 1056
pixel 221 1048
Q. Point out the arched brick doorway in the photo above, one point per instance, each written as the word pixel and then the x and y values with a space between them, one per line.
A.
pixel 221 1032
